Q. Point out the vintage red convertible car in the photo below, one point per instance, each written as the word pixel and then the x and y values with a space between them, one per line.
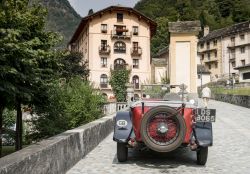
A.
pixel 163 126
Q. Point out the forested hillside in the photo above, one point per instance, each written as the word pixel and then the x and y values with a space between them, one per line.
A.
pixel 62 18
pixel 214 13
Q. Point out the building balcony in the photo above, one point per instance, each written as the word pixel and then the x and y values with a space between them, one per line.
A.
pixel 213 60
pixel 136 51
pixel 207 50
pixel 103 85
pixel 121 34
pixel 104 50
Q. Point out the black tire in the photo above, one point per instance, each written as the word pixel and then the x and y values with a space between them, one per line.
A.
pixel 202 154
pixel 122 152
pixel 181 125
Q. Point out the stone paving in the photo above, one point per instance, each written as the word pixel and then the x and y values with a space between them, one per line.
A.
pixel 230 153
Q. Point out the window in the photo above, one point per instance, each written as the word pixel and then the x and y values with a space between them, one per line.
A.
pixel 104 81
pixel 135 63
pixel 120 30
pixel 135 30
pixel 119 17
pixel 242 50
pixel 103 45
pixel 104 28
pixel 246 76
pixel 208 45
pixel 135 46
pixel 215 54
pixel 119 47
pixel 119 64
pixel 209 66
pixel 233 63
pixel 242 36
pixel 136 82
pixel 208 56
pixel 232 39
pixel 104 62
pixel 202 57
pixel 215 42
pixel 202 45
pixel 199 76
pixel 243 62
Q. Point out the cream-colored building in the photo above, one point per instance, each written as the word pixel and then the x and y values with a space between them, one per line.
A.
pixel 183 53
pixel 210 52
pixel 113 38
pixel 226 52
pixel 236 51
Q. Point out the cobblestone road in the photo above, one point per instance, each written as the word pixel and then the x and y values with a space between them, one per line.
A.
pixel 230 153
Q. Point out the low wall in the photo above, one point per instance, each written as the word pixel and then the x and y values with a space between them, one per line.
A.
pixel 59 153
pixel 240 100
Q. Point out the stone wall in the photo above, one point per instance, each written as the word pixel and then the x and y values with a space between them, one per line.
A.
pixel 58 154
pixel 240 100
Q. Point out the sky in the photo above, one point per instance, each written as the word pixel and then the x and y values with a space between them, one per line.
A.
pixel 82 6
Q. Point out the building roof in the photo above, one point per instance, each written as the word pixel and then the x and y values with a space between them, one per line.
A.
pixel 130 10
pixel 227 31
pixel 243 67
pixel 184 26
pixel 203 69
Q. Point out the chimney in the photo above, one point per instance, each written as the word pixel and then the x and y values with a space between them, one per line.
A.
pixel 206 30
pixel 90 12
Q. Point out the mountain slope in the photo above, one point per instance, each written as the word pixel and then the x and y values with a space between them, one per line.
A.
pixel 214 13
pixel 62 18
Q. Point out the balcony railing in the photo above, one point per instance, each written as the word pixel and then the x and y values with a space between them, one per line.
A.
pixel 136 51
pixel 121 34
pixel 104 50
pixel 103 85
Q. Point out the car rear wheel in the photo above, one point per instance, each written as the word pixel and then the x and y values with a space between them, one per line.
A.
pixel 202 154
pixel 122 152
pixel 163 129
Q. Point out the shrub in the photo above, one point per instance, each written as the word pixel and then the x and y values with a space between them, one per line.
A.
pixel 69 105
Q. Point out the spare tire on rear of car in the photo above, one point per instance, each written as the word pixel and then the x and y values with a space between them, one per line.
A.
pixel 163 129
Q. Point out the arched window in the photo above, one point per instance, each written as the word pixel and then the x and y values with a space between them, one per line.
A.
pixel 119 47
pixel 104 81
pixel 136 82
pixel 119 63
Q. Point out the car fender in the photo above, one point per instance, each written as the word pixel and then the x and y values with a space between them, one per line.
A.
pixel 203 133
pixel 122 127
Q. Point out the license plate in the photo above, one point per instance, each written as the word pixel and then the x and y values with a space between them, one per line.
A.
pixel 205 115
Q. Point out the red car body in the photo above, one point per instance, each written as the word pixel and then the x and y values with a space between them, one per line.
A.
pixel 137 117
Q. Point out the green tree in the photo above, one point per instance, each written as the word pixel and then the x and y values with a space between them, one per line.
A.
pixel 27 62
pixel 118 80
pixel 69 105
pixel 72 65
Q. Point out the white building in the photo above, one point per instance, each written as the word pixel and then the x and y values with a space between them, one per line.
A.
pixel 236 50
pixel 113 38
